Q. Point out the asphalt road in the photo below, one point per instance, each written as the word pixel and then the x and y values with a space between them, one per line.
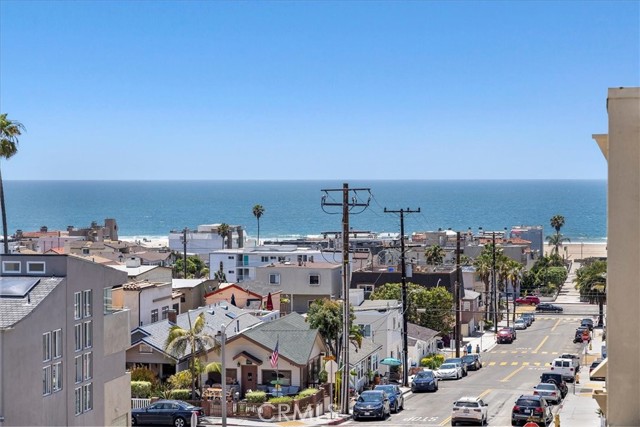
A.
pixel 509 370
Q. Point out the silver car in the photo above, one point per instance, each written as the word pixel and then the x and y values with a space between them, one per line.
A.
pixel 449 371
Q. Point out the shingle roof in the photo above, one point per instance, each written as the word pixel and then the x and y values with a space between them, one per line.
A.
pixel 379 304
pixel 294 336
pixel 420 332
pixel 13 310
pixel 357 355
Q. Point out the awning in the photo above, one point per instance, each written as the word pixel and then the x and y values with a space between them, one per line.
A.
pixel 248 356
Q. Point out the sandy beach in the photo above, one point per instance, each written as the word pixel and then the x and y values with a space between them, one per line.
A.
pixel 577 251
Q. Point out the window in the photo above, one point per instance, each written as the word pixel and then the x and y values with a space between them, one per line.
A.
pixel 264 259
pixel 269 375
pixel 368 290
pixel 35 267
pixel 165 312
pixel 10 266
pixel 86 299
pixel 78 399
pixel 107 300
pixel 274 278
pixel 46 380
pixel 77 301
pixel 78 336
pixel 87 366
pixel 87 397
pixel 314 280
pixel 85 251
pixel 231 257
pixel 87 332
pixel 56 376
pixel 365 330
pixel 46 346
pixel 57 343
pixel 154 315
pixel 78 360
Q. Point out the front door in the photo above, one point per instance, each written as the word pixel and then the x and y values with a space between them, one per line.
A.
pixel 249 378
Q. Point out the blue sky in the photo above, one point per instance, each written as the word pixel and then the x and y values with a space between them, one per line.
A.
pixel 313 90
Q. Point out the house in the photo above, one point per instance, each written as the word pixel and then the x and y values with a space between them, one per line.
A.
pixel 380 321
pixel 205 239
pixel 137 272
pixel 421 342
pixel 63 345
pixel 148 302
pixel 148 342
pixel 243 297
pixel 363 361
pixel 436 276
pixel 300 351
pixel 303 282
pixel 471 316
pixel 192 292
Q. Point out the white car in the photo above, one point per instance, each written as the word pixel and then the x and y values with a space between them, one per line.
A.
pixel 469 410
pixel 520 324
pixel 449 371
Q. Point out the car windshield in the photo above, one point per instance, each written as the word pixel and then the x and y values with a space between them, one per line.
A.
pixel 424 374
pixel 468 358
pixel 370 397
pixel 528 402
pixel 388 388
pixel 467 404
pixel 546 387
pixel 448 366
pixel 454 360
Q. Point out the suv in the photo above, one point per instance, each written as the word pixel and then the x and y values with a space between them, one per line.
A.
pixel 504 336
pixel 555 378
pixel 581 332
pixel 529 299
pixel 565 368
pixel 528 317
pixel 575 359
pixel 473 361
pixel 588 323
pixel 531 408
pixel 469 410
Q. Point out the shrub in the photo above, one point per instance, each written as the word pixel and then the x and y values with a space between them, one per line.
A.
pixel 306 393
pixel 180 379
pixel 323 376
pixel 428 362
pixel 256 397
pixel 281 400
pixel 140 389
pixel 143 374
pixel 181 394
pixel 488 325
pixel 439 359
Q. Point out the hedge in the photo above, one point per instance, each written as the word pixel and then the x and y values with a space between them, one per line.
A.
pixel 181 394
pixel 256 397
pixel 140 389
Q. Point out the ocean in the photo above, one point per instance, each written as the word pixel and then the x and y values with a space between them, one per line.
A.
pixel 293 208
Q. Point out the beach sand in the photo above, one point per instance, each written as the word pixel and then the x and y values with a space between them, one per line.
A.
pixel 577 251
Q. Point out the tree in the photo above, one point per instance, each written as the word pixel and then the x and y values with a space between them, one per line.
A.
pixel 194 339
pixel 483 264
pixel 556 240
pixel 10 130
pixel 434 255
pixel 325 315
pixel 196 268
pixel 258 211
pixel 591 281
pixel 557 222
pixel 223 231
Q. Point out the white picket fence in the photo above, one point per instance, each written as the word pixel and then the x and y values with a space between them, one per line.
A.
pixel 139 403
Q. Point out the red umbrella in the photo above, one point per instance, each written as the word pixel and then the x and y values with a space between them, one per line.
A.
pixel 269 302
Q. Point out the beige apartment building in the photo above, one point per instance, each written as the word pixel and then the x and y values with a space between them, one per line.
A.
pixel 621 148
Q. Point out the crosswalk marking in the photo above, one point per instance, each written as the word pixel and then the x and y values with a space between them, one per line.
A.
pixel 514 352
pixel 525 363
pixel 538 364
pixel 544 352
pixel 503 363
pixel 492 363
pixel 514 363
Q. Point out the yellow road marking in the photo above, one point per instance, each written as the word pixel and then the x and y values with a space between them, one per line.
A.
pixel 536 363
pixel 503 351
pixel 544 352
pixel 556 325
pixel 508 377
pixel 291 423
pixel 542 343
pixel 554 352
pixel 492 363
pixel 514 352
pixel 503 363
pixel 445 421
pixel 514 363
pixel 523 352
pixel 525 363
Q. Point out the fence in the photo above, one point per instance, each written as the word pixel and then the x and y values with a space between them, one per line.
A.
pixel 139 403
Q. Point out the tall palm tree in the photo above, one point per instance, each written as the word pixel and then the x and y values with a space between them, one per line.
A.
pixel 514 275
pixel 258 211
pixel 557 222
pixel 482 264
pixel 556 240
pixel 10 130
pixel 434 255
pixel 223 231
pixel 195 339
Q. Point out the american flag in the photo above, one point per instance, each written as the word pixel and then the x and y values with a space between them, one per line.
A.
pixel 274 355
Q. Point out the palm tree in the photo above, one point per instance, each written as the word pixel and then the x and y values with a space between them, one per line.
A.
pixel 258 211
pixel 10 130
pixel 556 240
pixel 514 275
pixel 591 281
pixel 194 338
pixel 434 255
pixel 483 267
pixel 557 222
pixel 223 231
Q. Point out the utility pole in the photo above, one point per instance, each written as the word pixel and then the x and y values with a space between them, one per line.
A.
pixel 346 320
pixel 493 284
pixel 458 296
pixel 184 243
pixel 405 307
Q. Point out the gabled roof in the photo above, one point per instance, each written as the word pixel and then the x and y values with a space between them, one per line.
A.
pixel 231 286
pixel 13 310
pixel 356 355
pixel 258 287
pixel 421 333
pixel 292 333
pixel 470 295
pixel 186 283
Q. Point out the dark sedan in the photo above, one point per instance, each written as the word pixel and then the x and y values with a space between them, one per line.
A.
pixel 546 307
pixel 166 412
pixel 396 399
pixel 372 404
pixel 424 380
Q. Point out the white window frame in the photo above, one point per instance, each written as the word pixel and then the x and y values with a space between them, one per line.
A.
pixel 78 363
pixel 87 366
pixel 11 267
pixel 87 303
pixel 46 346
pixel 77 305
pixel 366 330
pixel 78 337
pixel 57 343
pixel 318 280
pixel 154 315
pixel 165 312
pixel 274 278
pixel 87 397
pixel 31 270
pixel 78 400
pixel 56 376
pixel 87 333
pixel 46 380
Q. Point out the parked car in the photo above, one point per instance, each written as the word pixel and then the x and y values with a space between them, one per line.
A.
pixel 473 361
pixel 396 399
pixel 588 323
pixel 546 307
pixel 528 317
pixel 449 371
pixel 460 360
pixel 581 332
pixel 504 336
pixel 169 412
pixel 574 358
pixel 531 408
pixel 425 380
pixel 565 368
pixel 593 366
pixel 555 378
pixel 372 404
pixel 520 324
pixel 513 332
pixel 529 299
pixel 549 391
pixel 469 410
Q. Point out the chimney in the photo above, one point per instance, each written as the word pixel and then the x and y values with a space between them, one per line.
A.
pixel 172 316
pixel 43 229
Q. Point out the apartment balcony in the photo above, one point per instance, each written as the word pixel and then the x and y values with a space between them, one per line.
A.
pixel 117 330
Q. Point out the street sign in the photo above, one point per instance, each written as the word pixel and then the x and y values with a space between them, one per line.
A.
pixel 330 357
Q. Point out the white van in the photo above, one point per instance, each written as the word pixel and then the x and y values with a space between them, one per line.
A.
pixel 565 367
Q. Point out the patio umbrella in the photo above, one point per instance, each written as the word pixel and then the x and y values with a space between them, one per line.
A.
pixel 391 361
pixel 269 302
pixel 233 299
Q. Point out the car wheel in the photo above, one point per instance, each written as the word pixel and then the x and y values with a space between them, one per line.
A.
pixel 454 423
pixel 355 417
pixel 179 422
pixel 402 406
pixel 395 408
pixel 413 389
